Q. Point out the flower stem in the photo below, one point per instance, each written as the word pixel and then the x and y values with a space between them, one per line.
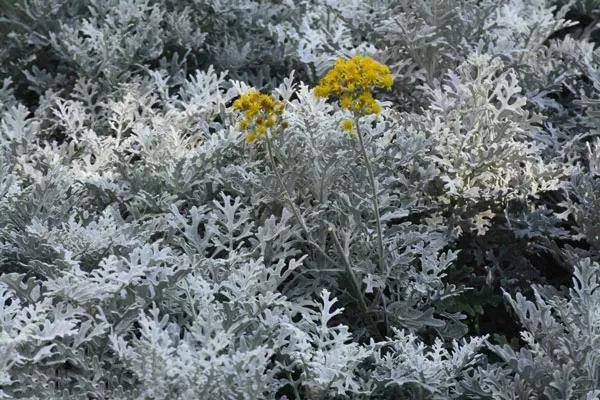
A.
pixel 348 266
pixel 356 286
pixel 284 187
pixel 374 194
pixel 288 198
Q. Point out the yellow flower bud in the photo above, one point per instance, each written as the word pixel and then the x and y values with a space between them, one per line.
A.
pixel 347 125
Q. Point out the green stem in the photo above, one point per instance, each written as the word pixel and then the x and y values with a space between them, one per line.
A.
pixel 357 286
pixel 348 266
pixel 294 388
pixel 288 197
pixel 374 194
pixel 284 187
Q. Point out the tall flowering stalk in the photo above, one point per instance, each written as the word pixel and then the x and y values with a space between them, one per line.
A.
pixel 352 82
pixel 263 116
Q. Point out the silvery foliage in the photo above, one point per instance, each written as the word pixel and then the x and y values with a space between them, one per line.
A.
pixel 559 359
pixel 148 251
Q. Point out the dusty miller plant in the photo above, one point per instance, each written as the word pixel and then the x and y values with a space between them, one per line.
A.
pixel 443 245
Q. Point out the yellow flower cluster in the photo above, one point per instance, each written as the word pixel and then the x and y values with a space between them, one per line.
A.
pixel 261 112
pixel 352 82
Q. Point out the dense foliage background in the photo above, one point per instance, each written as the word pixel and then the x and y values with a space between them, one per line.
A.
pixel 147 251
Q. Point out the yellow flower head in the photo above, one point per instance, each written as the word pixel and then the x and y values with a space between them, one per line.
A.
pixel 353 81
pixel 347 125
pixel 261 111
